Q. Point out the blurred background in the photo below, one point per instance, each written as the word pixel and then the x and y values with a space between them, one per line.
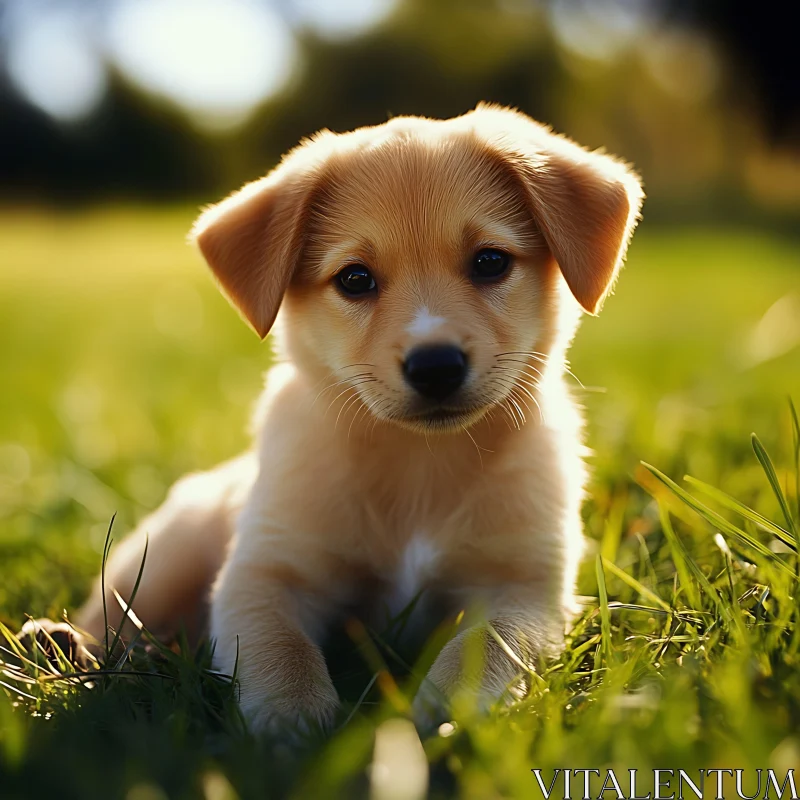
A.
pixel 177 99
pixel 120 365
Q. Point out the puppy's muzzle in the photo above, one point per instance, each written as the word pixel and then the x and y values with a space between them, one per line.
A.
pixel 436 372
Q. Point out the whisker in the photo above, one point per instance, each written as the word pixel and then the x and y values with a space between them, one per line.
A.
pixel 516 405
pixel 344 391
pixel 520 361
pixel 538 372
pixel 574 377
pixel 509 417
pixel 349 388
pixel 525 380
pixel 472 439
pixel 510 370
pixel 513 384
pixel 544 359
pixel 515 392
pixel 339 383
pixel 514 411
pixel 519 398
pixel 341 369
pixel 347 404
pixel 533 353
pixel 535 401
pixel 366 407
pixel 375 418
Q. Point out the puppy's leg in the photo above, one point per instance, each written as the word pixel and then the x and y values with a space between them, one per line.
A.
pixel 488 659
pixel 264 625
pixel 187 539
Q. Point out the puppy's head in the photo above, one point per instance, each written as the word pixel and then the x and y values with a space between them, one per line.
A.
pixel 423 265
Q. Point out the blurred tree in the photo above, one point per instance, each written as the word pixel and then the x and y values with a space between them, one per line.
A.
pixel 130 147
pixel 436 58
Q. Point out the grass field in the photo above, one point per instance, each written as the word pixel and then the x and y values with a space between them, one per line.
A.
pixel 121 368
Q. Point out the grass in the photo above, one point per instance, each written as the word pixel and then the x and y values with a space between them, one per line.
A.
pixel 123 368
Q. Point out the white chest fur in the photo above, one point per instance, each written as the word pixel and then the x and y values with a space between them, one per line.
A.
pixel 414 569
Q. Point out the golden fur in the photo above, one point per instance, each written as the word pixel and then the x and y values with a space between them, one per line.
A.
pixel 352 498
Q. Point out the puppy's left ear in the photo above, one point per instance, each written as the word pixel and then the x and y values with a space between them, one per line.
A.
pixel 253 239
pixel 586 204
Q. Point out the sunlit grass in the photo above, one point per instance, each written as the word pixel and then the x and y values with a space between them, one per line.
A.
pixel 122 367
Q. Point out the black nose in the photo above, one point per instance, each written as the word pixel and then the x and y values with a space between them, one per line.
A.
pixel 435 372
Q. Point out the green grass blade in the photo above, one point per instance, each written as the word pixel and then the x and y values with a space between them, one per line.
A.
pixel 796 442
pixel 772 477
pixel 690 616
pixel 679 559
pixel 689 565
pixel 612 531
pixel 12 641
pixel 719 522
pixel 742 510
pixel 14 689
pixel 125 616
pixel 634 584
pixel 106 550
pixel 605 614
pixel 360 702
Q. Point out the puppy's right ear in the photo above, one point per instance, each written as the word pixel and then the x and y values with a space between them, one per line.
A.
pixel 252 241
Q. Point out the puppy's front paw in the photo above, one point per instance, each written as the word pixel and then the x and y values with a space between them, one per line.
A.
pixel 294 715
pixel 56 641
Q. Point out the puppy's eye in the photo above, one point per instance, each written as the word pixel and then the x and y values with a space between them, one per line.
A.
pixel 490 264
pixel 356 279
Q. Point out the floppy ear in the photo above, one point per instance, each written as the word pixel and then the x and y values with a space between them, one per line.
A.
pixel 252 241
pixel 586 204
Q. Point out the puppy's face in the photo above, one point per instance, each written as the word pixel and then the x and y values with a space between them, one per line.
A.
pixel 420 263
pixel 424 284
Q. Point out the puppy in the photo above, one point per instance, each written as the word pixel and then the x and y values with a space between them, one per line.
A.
pixel 417 438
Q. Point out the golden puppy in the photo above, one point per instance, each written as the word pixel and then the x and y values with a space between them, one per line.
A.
pixel 417 437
